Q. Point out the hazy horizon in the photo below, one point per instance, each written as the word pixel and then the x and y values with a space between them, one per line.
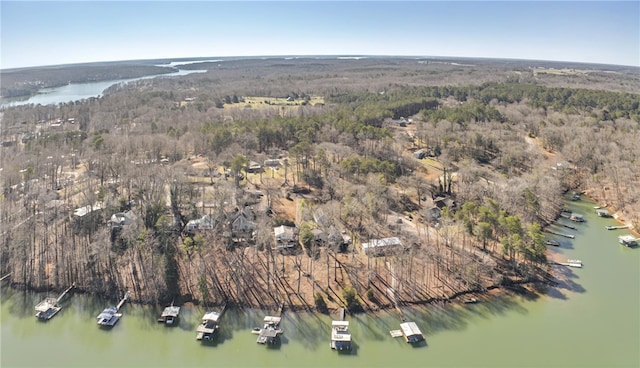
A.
pixel 49 33
pixel 202 59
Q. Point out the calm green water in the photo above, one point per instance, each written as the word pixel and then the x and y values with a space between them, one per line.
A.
pixel 592 320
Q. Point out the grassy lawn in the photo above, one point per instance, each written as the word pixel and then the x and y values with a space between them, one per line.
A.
pixel 266 102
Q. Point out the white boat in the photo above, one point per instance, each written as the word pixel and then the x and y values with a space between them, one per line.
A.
pixel 574 261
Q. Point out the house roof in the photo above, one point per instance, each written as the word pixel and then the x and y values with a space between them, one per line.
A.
pixel 381 243
pixel 284 232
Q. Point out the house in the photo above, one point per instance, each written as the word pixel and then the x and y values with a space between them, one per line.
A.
pixel 442 202
pixel 319 236
pixel 376 247
pixel 120 219
pixel 273 163
pixel 432 214
pixel 243 223
pixel 253 167
pixel 339 239
pixel 286 237
pixel 86 210
pixel 420 154
pixel 206 222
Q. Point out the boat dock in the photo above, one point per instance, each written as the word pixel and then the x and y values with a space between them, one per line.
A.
pixel 110 316
pixel 271 330
pixel 628 240
pixel 5 276
pixel 570 236
pixel 611 227
pixel 554 243
pixel 569 264
pixel 569 226
pixel 46 309
pixel 210 325
pixel 340 334
pixel 170 315
pixel 411 332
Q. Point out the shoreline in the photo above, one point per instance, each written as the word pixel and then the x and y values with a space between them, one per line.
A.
pixel 613 213
pixel 519 287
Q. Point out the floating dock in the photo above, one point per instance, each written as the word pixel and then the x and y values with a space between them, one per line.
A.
pixel 110 316
pixel 570 236
pixel 611 227
pixel 569 264
pixel 46 309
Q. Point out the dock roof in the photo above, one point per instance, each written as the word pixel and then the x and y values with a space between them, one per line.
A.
pixel 171 311
pixel 410 329
pixel 211 316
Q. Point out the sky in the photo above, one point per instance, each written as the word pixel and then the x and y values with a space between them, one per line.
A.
pixel 52 32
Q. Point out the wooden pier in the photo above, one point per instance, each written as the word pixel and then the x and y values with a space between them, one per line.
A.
pixel 569 264
pixel 569 226
pixel 611 227
pixel 570 236
pixel 5 276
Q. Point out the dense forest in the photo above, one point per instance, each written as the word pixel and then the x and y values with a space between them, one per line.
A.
pixel 176 187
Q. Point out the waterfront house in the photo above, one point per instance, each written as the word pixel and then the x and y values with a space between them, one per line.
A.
pixel 206 222
pixel 285 237
pixel 376 247
pixel 120 219
pixel 420 154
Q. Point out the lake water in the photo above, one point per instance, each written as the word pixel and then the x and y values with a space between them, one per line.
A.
pixel 80 91
pixel 591 320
